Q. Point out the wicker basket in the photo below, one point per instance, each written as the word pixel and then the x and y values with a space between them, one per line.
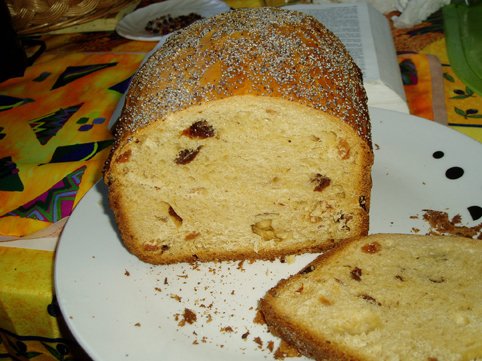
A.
pixel 41 16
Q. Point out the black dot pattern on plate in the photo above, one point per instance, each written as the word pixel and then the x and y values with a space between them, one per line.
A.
pixel 454 173
pixel 475 212
pixel 451 173
pixel 438 154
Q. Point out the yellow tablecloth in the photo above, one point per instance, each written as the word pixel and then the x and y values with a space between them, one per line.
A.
pixel 54 141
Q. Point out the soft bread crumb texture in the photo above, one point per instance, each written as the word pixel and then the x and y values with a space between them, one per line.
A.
pixel 258 185
pixel 385 297
pixel 245 135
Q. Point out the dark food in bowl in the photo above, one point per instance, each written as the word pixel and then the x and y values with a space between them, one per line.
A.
pixel 167 24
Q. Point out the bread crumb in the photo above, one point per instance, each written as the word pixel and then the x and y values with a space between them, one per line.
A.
pixel 176 297
pixel 258 341
pixel 285 350
pixel 188 316
pixel 441 224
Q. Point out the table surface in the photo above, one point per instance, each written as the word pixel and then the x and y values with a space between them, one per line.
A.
pixel 54 141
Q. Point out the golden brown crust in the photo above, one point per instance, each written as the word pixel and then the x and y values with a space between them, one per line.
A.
pixel 302 339
pixel 263 51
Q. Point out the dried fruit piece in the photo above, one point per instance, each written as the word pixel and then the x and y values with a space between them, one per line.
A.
pixel 186 156
pixel 356 274
pixel 373 247
pixel 124 157
pixel 166 24
pixel 200 129
pixel 320 181
pixel 370 299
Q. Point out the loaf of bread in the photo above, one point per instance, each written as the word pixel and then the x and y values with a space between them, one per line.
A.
pixel 244 136
pixel 384 297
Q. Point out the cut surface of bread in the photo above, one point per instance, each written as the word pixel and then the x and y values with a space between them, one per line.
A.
pixel 260 184
pixel 229 149
pixel 384 297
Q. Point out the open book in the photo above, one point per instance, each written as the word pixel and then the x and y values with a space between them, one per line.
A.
pixel 367 36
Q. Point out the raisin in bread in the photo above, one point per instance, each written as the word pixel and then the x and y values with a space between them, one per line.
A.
pixel 384 297
pixel 245 135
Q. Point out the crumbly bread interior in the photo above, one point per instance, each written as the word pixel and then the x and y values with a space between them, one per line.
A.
pixel 385 297
pixel 241 177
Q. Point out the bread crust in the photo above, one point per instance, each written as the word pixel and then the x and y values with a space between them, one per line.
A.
pixel 302 339
pixel 263 52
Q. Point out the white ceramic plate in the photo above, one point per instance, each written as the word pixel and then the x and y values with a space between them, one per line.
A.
pixel 132 26
pixel 119 308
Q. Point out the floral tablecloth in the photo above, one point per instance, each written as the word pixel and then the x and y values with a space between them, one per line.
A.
pixel 54 140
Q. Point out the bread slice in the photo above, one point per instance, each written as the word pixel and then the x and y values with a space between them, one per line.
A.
pixel 384 297
pixel 245 136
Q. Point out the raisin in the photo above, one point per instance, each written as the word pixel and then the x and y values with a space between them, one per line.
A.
pixel 356 274
pixel 400 278
pixel 186 156
pixel 166 24
pixel 200 129
pixel 320 181
pixel 370 299
pixel 373 247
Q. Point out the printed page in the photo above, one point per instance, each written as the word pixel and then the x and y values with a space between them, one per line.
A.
pixel 345 21
pixel 367 36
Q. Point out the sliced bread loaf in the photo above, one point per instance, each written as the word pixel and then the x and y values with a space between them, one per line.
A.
pixel 384 297
pixel 245 136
